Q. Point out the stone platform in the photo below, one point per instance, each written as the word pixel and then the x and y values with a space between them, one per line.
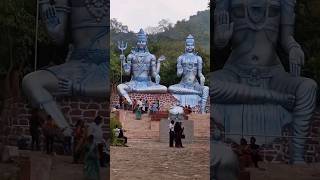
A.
pixel 15 116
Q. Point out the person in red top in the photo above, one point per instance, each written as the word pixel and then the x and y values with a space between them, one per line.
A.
pixel 50 131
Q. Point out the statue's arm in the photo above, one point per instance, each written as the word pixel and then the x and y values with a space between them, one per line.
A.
pixel 55 17
pixel 127 64
pixel 179 66
pixel 200 75
pixel 289 44
pixel 287 24
pixel 154 68
pixel 223 28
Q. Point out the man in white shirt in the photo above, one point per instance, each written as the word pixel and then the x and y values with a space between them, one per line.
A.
pixel 116 131
pixel 140 103
pixel 171 133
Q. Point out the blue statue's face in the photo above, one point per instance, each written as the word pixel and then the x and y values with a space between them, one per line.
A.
pixel 141 44
pixel 189 47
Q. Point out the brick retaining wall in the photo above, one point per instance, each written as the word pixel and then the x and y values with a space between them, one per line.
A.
pixel 16 113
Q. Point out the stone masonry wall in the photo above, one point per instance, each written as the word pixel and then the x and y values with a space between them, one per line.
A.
pixel 16 113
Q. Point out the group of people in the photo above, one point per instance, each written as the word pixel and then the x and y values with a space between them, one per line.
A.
pixel 89 146
pixel 49 129
pixel 139 105
pixel 176 134
pixel 187 109
pixel 248 153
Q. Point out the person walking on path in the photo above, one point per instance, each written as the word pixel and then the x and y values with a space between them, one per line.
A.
pixel 35 129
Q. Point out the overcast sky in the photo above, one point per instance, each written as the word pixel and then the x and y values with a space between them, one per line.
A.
pixel 138 14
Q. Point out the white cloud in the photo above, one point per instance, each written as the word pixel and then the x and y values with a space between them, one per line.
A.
pixel 143 13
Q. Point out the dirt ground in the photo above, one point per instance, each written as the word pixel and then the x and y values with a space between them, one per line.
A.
pixel 62 169
pixel 147 159
pixel 48 167
pixel 286 172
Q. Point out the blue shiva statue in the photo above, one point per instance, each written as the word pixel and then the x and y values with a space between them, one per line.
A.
pixel 189 66
pixel 143 66
pixel 85 72
pixel 253 94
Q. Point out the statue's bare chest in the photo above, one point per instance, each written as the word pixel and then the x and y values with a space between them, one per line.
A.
pixel 255 14
pixel 189 62
pixel 141 58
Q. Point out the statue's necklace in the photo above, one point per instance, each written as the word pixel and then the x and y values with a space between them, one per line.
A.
pixel 97 8
pixel 141 57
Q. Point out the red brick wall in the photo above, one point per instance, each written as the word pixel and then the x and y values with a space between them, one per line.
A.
pixel 166 100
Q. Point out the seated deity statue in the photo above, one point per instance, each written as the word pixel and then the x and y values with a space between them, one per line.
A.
pixel 85 72
pixel 189 66
pixel 253 94
pixel 142 66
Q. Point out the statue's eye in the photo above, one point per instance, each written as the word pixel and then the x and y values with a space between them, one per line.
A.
pixel 274 11
pixel 238 11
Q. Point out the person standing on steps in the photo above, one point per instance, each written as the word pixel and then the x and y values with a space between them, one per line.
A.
pixel 171 133
pixel 178 131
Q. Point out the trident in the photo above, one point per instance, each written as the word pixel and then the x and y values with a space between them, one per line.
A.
pixel 122 47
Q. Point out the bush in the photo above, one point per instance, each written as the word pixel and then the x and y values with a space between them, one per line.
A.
pixel 113 123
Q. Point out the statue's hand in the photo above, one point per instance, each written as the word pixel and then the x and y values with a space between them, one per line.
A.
pixel 49 15
pixel 157 79
pixel 162 58
pixel 289 101
pixel 223 29
pixel 202 80
pixel 296 58
pixel 122 57
pixel 285 100
pixel 65 86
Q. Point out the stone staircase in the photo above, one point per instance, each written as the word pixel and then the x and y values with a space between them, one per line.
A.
pixel 139 129
pixel 148 127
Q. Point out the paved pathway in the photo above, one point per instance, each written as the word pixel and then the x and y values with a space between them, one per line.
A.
pixel 146 160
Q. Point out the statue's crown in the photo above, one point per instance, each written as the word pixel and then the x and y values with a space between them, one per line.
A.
pixel 190 39
pixel 142 35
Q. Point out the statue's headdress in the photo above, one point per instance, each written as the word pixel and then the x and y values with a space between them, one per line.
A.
pixel 142 35
pixel 190 39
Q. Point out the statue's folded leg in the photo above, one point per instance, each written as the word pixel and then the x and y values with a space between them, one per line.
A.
pixel 304 90
pixel 38 86
pixel 151 89
pixel 123 89
pixel 226 88
pixel 179 89
pixel 96 84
